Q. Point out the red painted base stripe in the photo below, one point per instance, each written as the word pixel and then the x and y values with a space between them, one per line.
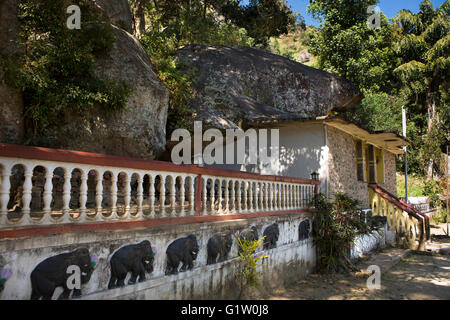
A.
pixel 27 232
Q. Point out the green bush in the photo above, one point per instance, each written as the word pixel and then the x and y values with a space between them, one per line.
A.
pixel 248 275
pixel 336 225
pixel 55 72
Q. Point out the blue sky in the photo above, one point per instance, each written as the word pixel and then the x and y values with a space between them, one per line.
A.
pixel 389 7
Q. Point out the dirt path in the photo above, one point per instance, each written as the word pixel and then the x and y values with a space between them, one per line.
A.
pixel 416 277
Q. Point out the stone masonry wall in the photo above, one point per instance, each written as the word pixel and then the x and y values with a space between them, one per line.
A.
pixel 390 177
pixel 342 166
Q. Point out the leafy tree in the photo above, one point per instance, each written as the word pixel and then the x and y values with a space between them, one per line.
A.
pixel 336 225
pixel 261 18
pixel 345 45
pixel 423 47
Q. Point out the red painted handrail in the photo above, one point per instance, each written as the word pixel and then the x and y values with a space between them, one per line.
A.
pixel 402 205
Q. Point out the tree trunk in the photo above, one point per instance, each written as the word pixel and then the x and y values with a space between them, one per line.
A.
pixel 139 17
pixel 431 120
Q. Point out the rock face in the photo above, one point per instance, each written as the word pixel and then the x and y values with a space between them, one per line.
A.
pixel 137 131
pixel 240 83
pixel 119 13
pixel 11 102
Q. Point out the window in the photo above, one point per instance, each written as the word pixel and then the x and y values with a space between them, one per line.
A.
pixel 359 160
pixel 379 165
pixel 369 162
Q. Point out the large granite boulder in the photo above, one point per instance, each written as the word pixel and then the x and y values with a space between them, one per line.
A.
pixel 11 102
pixel 119 13
pixel 137 131
pixel 240 83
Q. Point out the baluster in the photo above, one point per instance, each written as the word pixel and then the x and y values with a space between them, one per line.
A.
pixel 127 196
pixel 182 195
pixel 245 203
pixel 219 196
pixel 66 195
pixel 256 194
pixel 227 196
pixel 238 196
pixel 26 196
pixel 232 208
pixel 172 194
pixel 4 194
pixel 212 196
pixel 162 196
pixel 98 195
pixel 205 196
pixel 113 195
pixel 140 197
pixel 192 194
pixel 286 196
pixel 303 196
pixel 151 200
pixel 289 196
pixel 294 196
pixel 83 195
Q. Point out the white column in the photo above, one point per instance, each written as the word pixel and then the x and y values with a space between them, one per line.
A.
pixel 127 195
pixel 83 194
pixel 113 195
pixel 140 197
pixel 98 195
pixel 151 199
pixel 245 207
pixel 238 193
pixel 204 196
pixel 227 196
pixel 27 186
pixel 4 194
pixel 192 194
pixel 172 194
pixel 66 195
pixel 182 195
pixel 162 196
pixel 212 196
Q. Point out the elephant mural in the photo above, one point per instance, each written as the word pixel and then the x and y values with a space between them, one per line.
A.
pixel 134 258
pixel 219 245
pixel 271 234
pixel 183 250
pixel 54 272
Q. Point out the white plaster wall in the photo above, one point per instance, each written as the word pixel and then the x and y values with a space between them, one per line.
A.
pixel 21 256
pixel 367 243
pixel 303 150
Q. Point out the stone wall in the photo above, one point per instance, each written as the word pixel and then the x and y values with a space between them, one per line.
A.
pixel 342 166
pixel 390 176
pixel 290 260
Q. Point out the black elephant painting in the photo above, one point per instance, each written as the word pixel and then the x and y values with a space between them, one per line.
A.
pixel 54 272
pixel 249 234
pixel 271 234
pixel 134 258
pixel 183 250
pixel 219 245
pixel 304 229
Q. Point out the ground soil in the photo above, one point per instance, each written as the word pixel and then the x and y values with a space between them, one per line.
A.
pixel 418 276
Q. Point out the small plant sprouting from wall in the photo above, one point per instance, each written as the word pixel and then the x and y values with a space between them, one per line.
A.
pixel 247 275
pixel 336 225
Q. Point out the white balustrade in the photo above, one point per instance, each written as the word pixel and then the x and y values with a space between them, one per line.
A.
pixel 44 192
